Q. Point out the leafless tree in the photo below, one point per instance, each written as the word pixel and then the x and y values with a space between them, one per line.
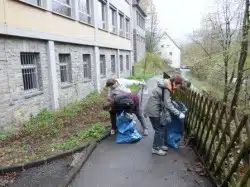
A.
pixel 219 35
pixel 243 55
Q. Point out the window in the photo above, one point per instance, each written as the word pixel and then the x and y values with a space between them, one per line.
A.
pixel 64 61
pixel 86 66
pixel 29 65
pixel 127 28
pixel 170 53
pixel 62 7
pixel 121 23
pixel 102 14
pixel 121 63
pixel 127 62
pixel 113 67
pixel 85 11
pixel 113 20
pixel 103 65
pixel 140 20
pixel 34 2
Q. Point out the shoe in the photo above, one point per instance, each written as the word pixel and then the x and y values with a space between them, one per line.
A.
pixel 164 148
pixel 145 132
pixel 112 132
pixel 159 152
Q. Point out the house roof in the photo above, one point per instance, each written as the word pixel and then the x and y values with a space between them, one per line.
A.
pixel 136 4
pixel 172 40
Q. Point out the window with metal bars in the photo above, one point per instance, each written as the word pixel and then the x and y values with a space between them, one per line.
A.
pixel 102 65
pixel 127 62
pixel 62 7
pixel 86 66
pixel 85 11
pixel 113 67
pixel 64 61
pixel 29 66
pixel 34 2
pixel 121 63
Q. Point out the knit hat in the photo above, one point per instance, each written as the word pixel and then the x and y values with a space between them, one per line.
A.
pixel 110 82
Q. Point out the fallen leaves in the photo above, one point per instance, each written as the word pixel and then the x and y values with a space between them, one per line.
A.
pixel 7 178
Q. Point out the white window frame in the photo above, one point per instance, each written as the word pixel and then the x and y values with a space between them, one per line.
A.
pixel 67 5
pixel 113 10
pixel 121 29
pixel 103 23
pixel 127 27
pixel 88 15
pixel 39 3
pixel 31 66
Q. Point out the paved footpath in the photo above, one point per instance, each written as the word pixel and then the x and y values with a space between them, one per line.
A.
pixel 133 165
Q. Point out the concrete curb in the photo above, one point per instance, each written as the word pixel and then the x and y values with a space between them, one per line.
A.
pixel 23 167
pixel 72 173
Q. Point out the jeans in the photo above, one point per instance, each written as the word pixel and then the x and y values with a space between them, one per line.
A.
pixel 159 137
pixel 137 111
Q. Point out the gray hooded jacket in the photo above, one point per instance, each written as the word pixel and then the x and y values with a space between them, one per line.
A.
pixel 154 104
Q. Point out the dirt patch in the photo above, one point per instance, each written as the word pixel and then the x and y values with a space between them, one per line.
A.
pixel 35 141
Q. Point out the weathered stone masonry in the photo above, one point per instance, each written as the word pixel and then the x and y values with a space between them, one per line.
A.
pixel 16 105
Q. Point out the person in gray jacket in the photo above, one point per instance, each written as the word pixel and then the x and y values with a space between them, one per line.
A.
pixel 153 110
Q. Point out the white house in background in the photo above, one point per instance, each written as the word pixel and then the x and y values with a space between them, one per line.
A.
pixel 170 51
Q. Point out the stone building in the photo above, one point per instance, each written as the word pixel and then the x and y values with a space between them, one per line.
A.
pixel 54 52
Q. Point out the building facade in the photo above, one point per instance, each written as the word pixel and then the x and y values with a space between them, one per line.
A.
pixel 139 34
pixel 54 52
pixel 170 51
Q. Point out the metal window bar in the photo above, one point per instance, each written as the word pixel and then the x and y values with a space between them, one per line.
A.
pixel 102 66
pixel 86 66
pixel 62 8
pixel 64 60
pixel 113 63
pixel 121 63
pixel 127 62
pixel 29 63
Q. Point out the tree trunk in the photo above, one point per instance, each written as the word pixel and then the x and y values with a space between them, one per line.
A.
pixel 243 56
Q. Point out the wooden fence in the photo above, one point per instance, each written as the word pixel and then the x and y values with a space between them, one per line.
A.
pixel 221 138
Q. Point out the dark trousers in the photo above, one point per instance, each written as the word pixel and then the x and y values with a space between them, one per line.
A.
pixel 137 111
pixel 159 137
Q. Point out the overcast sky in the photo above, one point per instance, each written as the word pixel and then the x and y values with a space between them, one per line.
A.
pixel 180 17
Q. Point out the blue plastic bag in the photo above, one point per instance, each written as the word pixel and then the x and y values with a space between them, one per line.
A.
pixel 127 132
pixel 175 130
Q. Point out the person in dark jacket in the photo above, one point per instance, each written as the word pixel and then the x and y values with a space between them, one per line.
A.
pixel 120 86
pixel 135 108
pixel 154 107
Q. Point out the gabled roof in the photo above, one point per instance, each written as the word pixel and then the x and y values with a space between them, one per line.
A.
pixel 136 4
pixel 172 40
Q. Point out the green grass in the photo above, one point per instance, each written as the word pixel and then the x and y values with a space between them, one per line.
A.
pixel 93 133
pixel 49 123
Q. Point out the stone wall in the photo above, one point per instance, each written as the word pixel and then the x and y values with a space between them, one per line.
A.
pixel 79 87
pixel 15 104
